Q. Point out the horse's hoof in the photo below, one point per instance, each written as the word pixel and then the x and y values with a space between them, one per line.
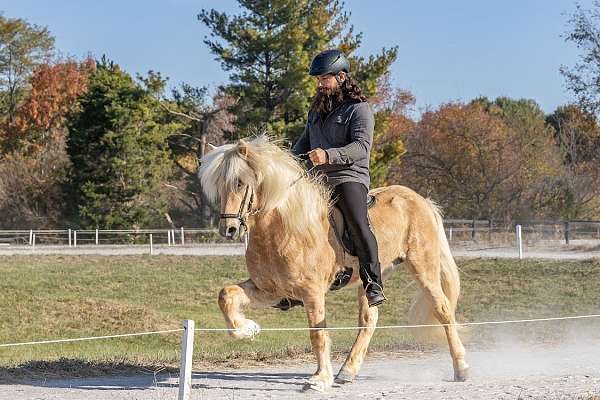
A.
pixel 344 377
pixel 317 385
pixel 248 330
pixel 462 375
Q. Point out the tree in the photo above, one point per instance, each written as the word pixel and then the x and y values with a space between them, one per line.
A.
pixel 583 79
pixel 22 47
pixel 392 124
pixel 118 148
pixel 31 186
pixel 33 173
pixel 203 122
pixel 267 50
pixel 54 91
pixel 578 137
pixel 474 163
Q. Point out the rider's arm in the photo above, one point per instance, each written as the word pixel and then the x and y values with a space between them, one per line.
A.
pixel 303 144
pixel 362 124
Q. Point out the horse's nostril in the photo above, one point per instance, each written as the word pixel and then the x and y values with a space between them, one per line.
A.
pixel 231 230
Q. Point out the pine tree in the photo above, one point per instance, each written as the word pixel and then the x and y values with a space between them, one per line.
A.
pixel 118 148
pixel 268 48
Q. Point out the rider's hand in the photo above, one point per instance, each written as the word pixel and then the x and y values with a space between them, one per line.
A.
pixel 318 156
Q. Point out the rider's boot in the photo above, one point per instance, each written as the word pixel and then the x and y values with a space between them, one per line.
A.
pixel 286 303
pixel 370 273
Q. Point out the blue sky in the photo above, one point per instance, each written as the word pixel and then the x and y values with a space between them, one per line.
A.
pixel 448 50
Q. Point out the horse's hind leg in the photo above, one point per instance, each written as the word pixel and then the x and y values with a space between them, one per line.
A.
pixel 367 317
pixel 321 344
pixel 428 275
pixel 231 300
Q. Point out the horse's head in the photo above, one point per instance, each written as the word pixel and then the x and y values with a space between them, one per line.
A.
pixel 257 176
pixel 227 177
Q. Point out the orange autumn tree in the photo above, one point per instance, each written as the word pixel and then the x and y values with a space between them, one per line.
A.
pixel 34 163
pixel 475 164
pixel 55 89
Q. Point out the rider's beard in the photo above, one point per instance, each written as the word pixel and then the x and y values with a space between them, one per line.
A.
pixel 327 99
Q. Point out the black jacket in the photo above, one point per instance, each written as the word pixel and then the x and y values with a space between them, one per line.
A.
pixel 346 134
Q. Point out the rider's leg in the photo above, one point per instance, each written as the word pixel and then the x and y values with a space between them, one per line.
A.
pixel 351 198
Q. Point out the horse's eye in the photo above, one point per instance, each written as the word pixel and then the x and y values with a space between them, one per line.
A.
pixel 240 185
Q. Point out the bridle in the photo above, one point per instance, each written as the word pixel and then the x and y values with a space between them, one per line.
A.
pixel 241 215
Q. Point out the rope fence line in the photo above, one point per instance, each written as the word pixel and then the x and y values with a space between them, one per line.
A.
pixel 91 338
pixel 339 328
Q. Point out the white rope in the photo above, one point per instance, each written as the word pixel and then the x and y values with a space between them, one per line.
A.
pixel 91 338
pixel 340 328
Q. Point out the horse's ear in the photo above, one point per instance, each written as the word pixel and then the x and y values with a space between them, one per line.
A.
pixel 243 148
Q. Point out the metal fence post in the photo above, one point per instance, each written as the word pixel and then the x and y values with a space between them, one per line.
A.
pixel 30 236
pixel 151 249
pixel 96 236
pixel 520 242
pixel 567 232
pixel 75 238
pixel 182 237
pixel 185 370
pixel 69 237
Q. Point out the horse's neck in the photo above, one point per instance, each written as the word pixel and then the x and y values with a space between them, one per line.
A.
pixel 267 227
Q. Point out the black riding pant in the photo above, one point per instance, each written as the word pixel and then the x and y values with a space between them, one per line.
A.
pixel 351 198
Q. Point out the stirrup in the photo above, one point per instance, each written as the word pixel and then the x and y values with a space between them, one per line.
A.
pixel 378 297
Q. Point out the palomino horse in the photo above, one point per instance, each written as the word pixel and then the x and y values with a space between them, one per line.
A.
pixel 293 252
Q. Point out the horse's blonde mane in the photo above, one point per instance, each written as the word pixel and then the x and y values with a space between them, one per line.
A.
pixel 275 176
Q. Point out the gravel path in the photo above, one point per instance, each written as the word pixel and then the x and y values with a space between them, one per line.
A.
pixel 567 372
pixel 546 252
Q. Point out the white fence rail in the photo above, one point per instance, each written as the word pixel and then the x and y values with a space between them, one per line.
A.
pixel 97 237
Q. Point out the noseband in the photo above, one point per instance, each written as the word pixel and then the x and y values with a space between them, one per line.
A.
pixel 240 214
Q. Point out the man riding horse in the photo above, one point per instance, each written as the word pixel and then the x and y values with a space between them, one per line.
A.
pixel 337 140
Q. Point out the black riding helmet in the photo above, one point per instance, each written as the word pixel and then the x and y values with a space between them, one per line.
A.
pixel 329 62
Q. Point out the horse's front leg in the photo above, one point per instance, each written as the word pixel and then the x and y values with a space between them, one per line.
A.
pixel 321 344
pixel 233 298
pixel 367 317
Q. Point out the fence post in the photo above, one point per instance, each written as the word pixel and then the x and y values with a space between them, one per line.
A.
pixel 30 236
pixel 450 235
pixel 69 237
pixel 187 350
pixel 33 241
pixel 75 238
pixel 151 250
pixel 168 237
pixel 473 229
pixel 567 232
pixel 489 230
pixel 520 242
pixel 182 237
pixel 96 236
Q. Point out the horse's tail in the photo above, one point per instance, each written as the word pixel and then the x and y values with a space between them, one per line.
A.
pixel 421 311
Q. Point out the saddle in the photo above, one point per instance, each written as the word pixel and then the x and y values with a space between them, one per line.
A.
pixel 338 223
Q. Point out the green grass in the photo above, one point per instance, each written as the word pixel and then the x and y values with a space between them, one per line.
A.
pixel 54 297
